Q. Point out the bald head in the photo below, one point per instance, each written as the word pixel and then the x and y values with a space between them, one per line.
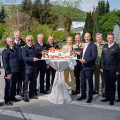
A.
pixel 87 37
pixel 78 38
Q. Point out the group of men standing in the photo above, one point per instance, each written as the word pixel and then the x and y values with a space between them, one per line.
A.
pixel 22 66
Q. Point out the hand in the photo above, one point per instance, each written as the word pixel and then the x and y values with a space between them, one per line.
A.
pixel 117 73
pixel 78 53
pixel 82 61
pixel 35 59
pixel 101 70
pixel 47 67
pixel 9 76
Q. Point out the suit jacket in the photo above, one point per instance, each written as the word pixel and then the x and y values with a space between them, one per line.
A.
pixel 90 57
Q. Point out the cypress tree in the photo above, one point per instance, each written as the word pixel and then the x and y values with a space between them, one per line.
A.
pixel 2 13
pixel 88 25
pixel 102 8
pixel 107 7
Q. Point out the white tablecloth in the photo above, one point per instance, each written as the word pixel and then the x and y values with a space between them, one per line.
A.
pixel 60 94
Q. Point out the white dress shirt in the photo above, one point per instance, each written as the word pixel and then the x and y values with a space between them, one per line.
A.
pixel 17 42
pixel 84 49
pixel 40 43
pixel 110 45
pixel 29 45
pixel 78 44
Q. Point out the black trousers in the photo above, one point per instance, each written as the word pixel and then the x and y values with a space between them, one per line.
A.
pixel 110 80
pixel 41 69
pixel 48 71
pixel 29 80
pixel 10 87
pixel 20 81
pixel 89 76
pixel 118 86
pixel 77 76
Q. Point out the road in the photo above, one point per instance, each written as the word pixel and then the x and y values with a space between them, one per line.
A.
pixel 42 109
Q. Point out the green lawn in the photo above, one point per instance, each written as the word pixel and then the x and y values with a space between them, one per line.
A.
pixel 2 46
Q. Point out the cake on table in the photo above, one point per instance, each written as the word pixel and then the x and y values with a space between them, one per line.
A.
pixel 59 54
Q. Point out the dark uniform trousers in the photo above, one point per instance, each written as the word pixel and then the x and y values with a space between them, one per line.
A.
pixel 110 80
pixel 29 80
pixel 10 87
pixel 77 75
pixel 84 74
pixel 41 67
pixel 118 86
pixel 53 71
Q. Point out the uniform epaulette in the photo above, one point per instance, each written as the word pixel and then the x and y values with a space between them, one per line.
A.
pixel 6 48
pixel 24 45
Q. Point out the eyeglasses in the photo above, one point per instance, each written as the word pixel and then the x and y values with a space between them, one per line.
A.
pixel 29 40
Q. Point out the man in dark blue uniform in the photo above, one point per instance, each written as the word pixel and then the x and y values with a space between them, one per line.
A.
pixel 19 43
pixel 41 65
pixel 110 66
pixel 88 57
pixel 29 57
pixel 11 60
pixel 50 45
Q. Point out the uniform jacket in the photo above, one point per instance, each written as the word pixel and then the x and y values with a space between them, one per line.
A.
pixel 79 49
pixel 99 52
pixel 10 58
pixel 110 58
pixel 54 45
pixel 90 57
pixel 39 48
pixel 28 54
pixel 20 46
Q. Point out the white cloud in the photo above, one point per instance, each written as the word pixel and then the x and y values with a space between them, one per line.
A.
pixel 87 5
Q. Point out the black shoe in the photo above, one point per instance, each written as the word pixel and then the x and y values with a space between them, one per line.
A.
pixel 9 103
pixel 34 97
pixel 19 93
pixel 1 104
pixel 103 95
pixel 89 100
pixel 118 100
pixel 26 100
pixel 48 88
pixel 105 100
pixel 45 92
pixel 82 98
pixel 76 92
pixel 73 93
pixel 15 100
pixel 94 93
pixel 111 103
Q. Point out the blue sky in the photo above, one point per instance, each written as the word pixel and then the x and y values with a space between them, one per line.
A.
pixel 87 5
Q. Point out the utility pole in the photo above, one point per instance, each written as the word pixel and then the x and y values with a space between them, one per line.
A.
pixel 18 23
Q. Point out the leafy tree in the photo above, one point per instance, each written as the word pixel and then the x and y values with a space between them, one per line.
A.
pixel 26 6
pixel 37 10
pixel 108 21
pixel 66 14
